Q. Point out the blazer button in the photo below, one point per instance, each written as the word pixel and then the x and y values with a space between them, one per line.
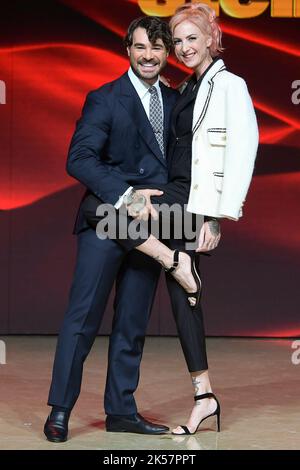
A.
pixel 196 186
pixel 142 171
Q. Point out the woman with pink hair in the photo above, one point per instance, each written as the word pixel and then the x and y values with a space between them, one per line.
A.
pixel 219 127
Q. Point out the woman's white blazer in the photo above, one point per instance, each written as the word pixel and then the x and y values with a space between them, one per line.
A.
pixel 225 140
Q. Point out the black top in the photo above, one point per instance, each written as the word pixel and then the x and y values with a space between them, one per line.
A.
pixel 182 116
pixel 180 150
pixel 177 190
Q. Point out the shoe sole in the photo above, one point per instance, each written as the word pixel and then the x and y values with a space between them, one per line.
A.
pixel 136 432
pixel 56 440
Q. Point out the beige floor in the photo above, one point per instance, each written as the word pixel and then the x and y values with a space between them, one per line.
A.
pixel 255 380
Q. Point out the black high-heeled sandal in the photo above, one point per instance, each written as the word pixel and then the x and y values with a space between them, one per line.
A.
pixel 216 413
pixel 190 295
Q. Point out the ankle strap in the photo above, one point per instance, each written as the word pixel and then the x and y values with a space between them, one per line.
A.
pixel 204 395
pixel 175 262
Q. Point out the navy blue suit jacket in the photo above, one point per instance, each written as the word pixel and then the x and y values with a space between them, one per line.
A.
pixel 113 146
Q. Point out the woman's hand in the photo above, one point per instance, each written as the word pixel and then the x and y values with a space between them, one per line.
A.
pixel 210 235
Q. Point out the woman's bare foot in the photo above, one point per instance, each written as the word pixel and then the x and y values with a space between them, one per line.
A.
pixel 201 409
pixel 184 276
pixel 167 258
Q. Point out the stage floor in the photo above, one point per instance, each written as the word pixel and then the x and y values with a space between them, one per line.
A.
pixel 255 381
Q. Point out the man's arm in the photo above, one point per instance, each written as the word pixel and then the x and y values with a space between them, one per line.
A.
pixel 84 159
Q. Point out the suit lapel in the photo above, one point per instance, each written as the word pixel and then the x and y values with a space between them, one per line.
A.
pixel 132 103
pixel 204 93
pixel 201 103
pixel 167 114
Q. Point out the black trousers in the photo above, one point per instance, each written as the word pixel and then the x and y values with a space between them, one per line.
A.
pixel 189 321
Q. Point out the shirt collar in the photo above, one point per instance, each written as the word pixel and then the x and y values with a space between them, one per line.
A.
pixel 140 86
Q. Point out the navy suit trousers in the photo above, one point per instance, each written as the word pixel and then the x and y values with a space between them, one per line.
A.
pixel 99 263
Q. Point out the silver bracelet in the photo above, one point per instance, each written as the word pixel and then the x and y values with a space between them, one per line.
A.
pixel 138 203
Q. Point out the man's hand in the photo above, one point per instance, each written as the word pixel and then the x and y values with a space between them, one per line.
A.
pixel 210 235
pixel 148 210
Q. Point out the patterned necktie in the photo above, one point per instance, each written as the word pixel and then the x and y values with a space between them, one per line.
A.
pixel 156 118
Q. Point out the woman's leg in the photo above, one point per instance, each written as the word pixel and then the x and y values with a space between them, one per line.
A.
pixel 164 255
pixel 191 333
pixel 203 407
pixel 143 240
pixel 172 195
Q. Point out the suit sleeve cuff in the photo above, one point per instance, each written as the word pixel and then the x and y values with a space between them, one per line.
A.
pixel 119 202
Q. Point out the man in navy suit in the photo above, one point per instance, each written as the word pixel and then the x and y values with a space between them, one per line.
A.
pixel 113 148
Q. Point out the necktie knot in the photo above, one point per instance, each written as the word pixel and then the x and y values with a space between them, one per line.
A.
pixel 152 90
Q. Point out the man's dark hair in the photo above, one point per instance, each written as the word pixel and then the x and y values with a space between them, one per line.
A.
pixel 155 28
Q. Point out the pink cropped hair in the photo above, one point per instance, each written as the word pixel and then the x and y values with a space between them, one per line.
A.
pixel 204 18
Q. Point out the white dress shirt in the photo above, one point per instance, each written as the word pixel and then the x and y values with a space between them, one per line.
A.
pixel 142 90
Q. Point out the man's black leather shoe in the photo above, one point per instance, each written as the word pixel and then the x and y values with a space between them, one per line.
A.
pixel 133 423
pixel 56 426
